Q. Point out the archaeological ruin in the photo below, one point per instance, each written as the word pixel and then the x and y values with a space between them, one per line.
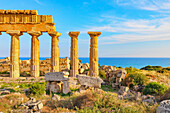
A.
pixel 16 22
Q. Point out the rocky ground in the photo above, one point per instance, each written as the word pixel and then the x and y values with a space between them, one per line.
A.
pixel 30 95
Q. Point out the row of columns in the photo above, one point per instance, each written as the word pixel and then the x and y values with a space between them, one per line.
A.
pixel 14 53
pixel 74 61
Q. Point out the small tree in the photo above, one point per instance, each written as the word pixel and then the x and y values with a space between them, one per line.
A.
pixel 155 88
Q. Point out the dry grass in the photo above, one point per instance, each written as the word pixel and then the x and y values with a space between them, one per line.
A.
pixel 11 101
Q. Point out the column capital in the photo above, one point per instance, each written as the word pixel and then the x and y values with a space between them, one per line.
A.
pixel 14 32
pixel 54 33
pixel 74 33
pixel 34 33
pixel 92 33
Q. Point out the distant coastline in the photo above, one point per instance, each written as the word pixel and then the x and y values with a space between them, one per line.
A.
pixel 137 62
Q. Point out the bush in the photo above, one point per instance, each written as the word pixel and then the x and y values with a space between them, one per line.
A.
pixel 37 89
pixel 102 74
pixel 23 85
pixel 137 79
pixel 155 88
pixel 130 70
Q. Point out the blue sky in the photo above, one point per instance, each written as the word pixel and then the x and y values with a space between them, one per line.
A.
pixel 130 28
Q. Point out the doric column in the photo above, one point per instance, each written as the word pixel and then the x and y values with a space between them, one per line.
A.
pixel 74 54
pixel 14 53
pixel 54 51
pixel 94 53
pixel 35 72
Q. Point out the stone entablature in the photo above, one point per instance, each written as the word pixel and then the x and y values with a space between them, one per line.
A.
pixel 17 19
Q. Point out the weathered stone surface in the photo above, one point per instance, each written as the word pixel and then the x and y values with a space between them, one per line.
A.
pixel 118 74
pixel 123 90
pixel 32 105
pixel 66 73
pixel 148 100
pixel 35 72
pixel 74 61
pixel 66 87
pixel 55 87
pixel 57 82
pixel 55 76
pixel 14 54
pixel 55 97
pixel 94 53
pixel 164 107
pixel 25 20
pixel 138 96
pixel 54 51
pixel 89 81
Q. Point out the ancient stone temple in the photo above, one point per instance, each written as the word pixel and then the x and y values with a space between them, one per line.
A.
pixel 17 22
pixel 14 23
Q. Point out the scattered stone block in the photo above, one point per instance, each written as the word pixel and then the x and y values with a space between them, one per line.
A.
pixel 164 107
pixel 55 97
pixel 89 81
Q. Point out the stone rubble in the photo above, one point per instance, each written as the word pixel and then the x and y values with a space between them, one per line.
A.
pixel 57 82
pixel 32 105
pixel 125 93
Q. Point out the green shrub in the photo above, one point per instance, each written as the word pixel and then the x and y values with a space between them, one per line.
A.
pixel 155 88
pixel 130 70
pixel 138 79
pixel 23 85
pixel 158 69
pixel 102 74
pixel 37 89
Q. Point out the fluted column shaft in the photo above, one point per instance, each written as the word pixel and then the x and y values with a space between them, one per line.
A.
pixel 35 72
pixel 14 53
pixel 74 54
pixel 54 51
pixel 94 53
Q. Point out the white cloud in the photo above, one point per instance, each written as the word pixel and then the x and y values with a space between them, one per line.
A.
pixel 38 2
pixel 130 30
pixel 118 30
pixel 153 5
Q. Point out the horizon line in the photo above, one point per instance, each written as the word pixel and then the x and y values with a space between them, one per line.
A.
pixel 98 57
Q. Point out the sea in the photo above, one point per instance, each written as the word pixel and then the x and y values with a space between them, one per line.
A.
pixel 122 62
